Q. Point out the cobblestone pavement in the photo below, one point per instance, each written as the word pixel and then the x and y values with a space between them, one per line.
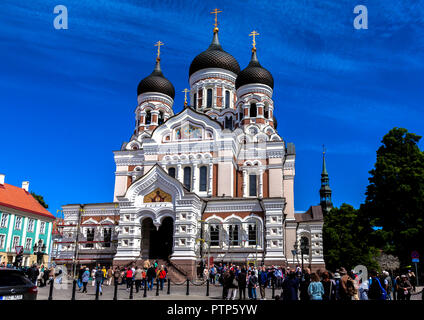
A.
pixel 178 292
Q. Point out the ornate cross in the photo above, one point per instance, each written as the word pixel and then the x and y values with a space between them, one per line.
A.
pixel 185 95
pixel 215 12
pixel 158 44
pixel 254 34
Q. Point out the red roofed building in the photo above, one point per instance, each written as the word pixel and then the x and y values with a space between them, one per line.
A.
pixel 23 222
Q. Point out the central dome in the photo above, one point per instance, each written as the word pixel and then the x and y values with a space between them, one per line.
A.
pixel 214 57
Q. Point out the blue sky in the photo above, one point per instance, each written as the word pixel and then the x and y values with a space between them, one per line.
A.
pixel 67 97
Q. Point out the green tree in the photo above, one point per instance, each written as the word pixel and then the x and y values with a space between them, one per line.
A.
pixel 345 239
pixel 395 195
pixel 40 199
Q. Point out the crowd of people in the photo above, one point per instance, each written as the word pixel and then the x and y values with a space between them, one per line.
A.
pixel 295 284
pixel 135 276
pixel 288 284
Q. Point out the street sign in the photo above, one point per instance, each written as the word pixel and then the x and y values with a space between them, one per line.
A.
pixel 19 249
pixel 415 260
pixel 415 255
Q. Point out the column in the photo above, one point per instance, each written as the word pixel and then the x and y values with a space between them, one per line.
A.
pixel 244 183
pixel 261 183
pixel 214 96
pixel 179 173
pixel 210 175
pixel 195 174
pixel 203 97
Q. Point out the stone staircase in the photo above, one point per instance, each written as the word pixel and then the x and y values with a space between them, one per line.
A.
pixel 175 273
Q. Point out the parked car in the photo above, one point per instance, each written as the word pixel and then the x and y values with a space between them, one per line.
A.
pixel 14 285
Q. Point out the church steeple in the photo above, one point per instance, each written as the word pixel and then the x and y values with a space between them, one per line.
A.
pixel 325 190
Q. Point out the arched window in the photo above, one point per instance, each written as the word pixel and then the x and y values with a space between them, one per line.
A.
pixel 227 99
pixel 252 235
pixel 214 235
pixel 228 123
pixel 171 172
pixel 253 110
pixel 209 98
pixel 266 114
pixel 148 117
pixel 161 119
pixel 195 100
pixel 304 245
pixel 252 185
pixel 90 237
pixel 203 178
pixel 187 178
pixel 107 237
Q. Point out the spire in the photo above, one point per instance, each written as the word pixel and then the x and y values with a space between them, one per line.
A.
pixel 254 62
pixel 324 167
pixel 158 71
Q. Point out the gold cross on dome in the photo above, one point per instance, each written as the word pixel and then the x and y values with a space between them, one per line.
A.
pixel 215 12
pixel 158 44
pixel 185 95
pixel 254 34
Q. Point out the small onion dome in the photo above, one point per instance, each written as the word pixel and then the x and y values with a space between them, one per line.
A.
pixel 214 57
pixel 156 82
pixel 254 73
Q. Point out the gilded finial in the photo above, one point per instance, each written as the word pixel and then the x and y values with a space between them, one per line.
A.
pixel 215 12
pixel 253 34
pixel 185 96
pixel 158 44
pixel 323 149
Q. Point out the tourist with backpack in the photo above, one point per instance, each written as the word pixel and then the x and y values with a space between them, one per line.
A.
pixel 376 291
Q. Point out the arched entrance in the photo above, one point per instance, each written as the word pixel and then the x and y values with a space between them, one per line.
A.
pixel 157 243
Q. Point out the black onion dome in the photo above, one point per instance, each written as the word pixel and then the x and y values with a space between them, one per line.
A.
pixel 156 82
pixel 214 57
pixel 254 73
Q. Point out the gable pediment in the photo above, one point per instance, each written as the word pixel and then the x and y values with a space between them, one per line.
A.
pixel 188 125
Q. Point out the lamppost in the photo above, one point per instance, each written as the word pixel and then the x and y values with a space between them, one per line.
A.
pixel 39 251
pixel 294 252
pixel 304 248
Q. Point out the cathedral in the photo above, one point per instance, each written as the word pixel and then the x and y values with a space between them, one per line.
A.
pixel 213 182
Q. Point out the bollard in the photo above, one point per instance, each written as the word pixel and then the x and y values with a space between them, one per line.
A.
pixel 157 286
pixel 132 290
pixel 115 293
pixel 51 289
pixel 207 287
pixel 73 289
pixel 188 290
pixel 273 290
pixel 145 288
pixel 169 286
pixel 97 290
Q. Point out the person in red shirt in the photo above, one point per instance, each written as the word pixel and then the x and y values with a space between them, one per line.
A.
pixel 129 276
pixel 162 276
